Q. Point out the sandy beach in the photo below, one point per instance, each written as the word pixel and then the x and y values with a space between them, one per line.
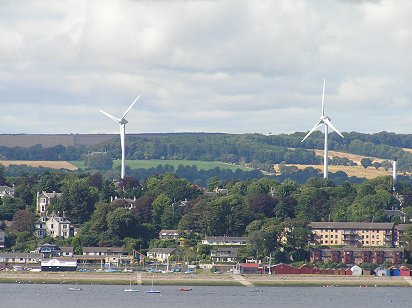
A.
pixel 226 279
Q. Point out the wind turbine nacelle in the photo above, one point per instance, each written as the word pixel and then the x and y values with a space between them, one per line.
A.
pixel 325 118
pixel 123 121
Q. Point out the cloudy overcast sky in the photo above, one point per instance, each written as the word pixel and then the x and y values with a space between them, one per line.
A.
pixel 230 66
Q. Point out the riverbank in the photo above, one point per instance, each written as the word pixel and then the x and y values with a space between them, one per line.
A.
pixel 143 278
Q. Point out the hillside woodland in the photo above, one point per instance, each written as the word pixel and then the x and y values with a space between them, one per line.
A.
pixel 265 210
pixel 276 156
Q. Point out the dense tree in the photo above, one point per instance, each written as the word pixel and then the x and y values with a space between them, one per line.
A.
pixel 262 205
pixel 10 205
pixel 122 223
pixel 98 161
pixel 366 162
pixel 23 220
pixel 78 200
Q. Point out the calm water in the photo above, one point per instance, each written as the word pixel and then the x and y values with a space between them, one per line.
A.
pixel 42 295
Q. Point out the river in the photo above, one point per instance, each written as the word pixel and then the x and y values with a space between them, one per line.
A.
pixel 55 295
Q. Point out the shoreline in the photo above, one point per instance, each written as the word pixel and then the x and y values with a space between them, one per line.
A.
pixel 178 279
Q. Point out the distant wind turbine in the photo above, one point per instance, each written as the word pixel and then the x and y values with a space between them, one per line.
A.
pixel 325 120
pixel 122 123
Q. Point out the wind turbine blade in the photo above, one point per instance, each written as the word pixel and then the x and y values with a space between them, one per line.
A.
pixel 130 107
pixel 317 125
pixel 328 123
pixel 323 98
pixel 110 116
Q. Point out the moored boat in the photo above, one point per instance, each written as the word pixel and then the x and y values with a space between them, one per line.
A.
pixel 185 289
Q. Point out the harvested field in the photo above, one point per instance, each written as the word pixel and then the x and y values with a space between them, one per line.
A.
pixel 358 171
pixel 40 163
pixel 353 157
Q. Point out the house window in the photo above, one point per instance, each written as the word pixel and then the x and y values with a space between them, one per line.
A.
pixel 51 232
pixel 336 242
pixel 64 226
pixel 64 234
pixel 42 208
pixel 51 226
pixel 336 236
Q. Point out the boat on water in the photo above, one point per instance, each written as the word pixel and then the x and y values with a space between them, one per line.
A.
pixel 151 291
pixel 74 289
pixel 131 290
pixel 130 287
pixel 185 289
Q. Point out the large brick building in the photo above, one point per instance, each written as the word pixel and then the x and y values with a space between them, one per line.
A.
pixel 358 234
pixel 357 242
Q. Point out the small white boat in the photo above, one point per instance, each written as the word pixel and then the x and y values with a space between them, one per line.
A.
pixel 130 287
pixel 74 289
pixel 131 290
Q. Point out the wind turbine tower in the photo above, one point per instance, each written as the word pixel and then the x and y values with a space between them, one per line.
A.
pixel 122 124
pixel 326 122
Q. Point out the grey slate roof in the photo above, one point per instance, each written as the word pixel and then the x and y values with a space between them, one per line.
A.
pixel 162 250
pixel 353 225
pixel 103 249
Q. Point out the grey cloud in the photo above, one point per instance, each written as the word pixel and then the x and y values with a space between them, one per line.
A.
pixel 229 66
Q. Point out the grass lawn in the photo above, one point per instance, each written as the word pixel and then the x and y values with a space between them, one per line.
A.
pixel 146 164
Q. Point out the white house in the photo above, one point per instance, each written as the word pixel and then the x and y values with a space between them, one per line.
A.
pixel 44 199
pixel 224 241
pixel 54 226
pixel 102 251
pixel 161 254
pixel 66 251
pixel 169 234
pixel 20 257
pixel 6 191
pixel 224 254
pixel 126 203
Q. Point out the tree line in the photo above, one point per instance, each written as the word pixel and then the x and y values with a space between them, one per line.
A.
pixel 257 150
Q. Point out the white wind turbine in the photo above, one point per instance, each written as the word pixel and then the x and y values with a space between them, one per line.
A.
pixel 122 123
pixel 325 120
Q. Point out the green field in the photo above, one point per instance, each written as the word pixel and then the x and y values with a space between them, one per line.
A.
pixel 146 164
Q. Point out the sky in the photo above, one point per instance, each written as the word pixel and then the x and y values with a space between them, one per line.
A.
pixel 231 66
